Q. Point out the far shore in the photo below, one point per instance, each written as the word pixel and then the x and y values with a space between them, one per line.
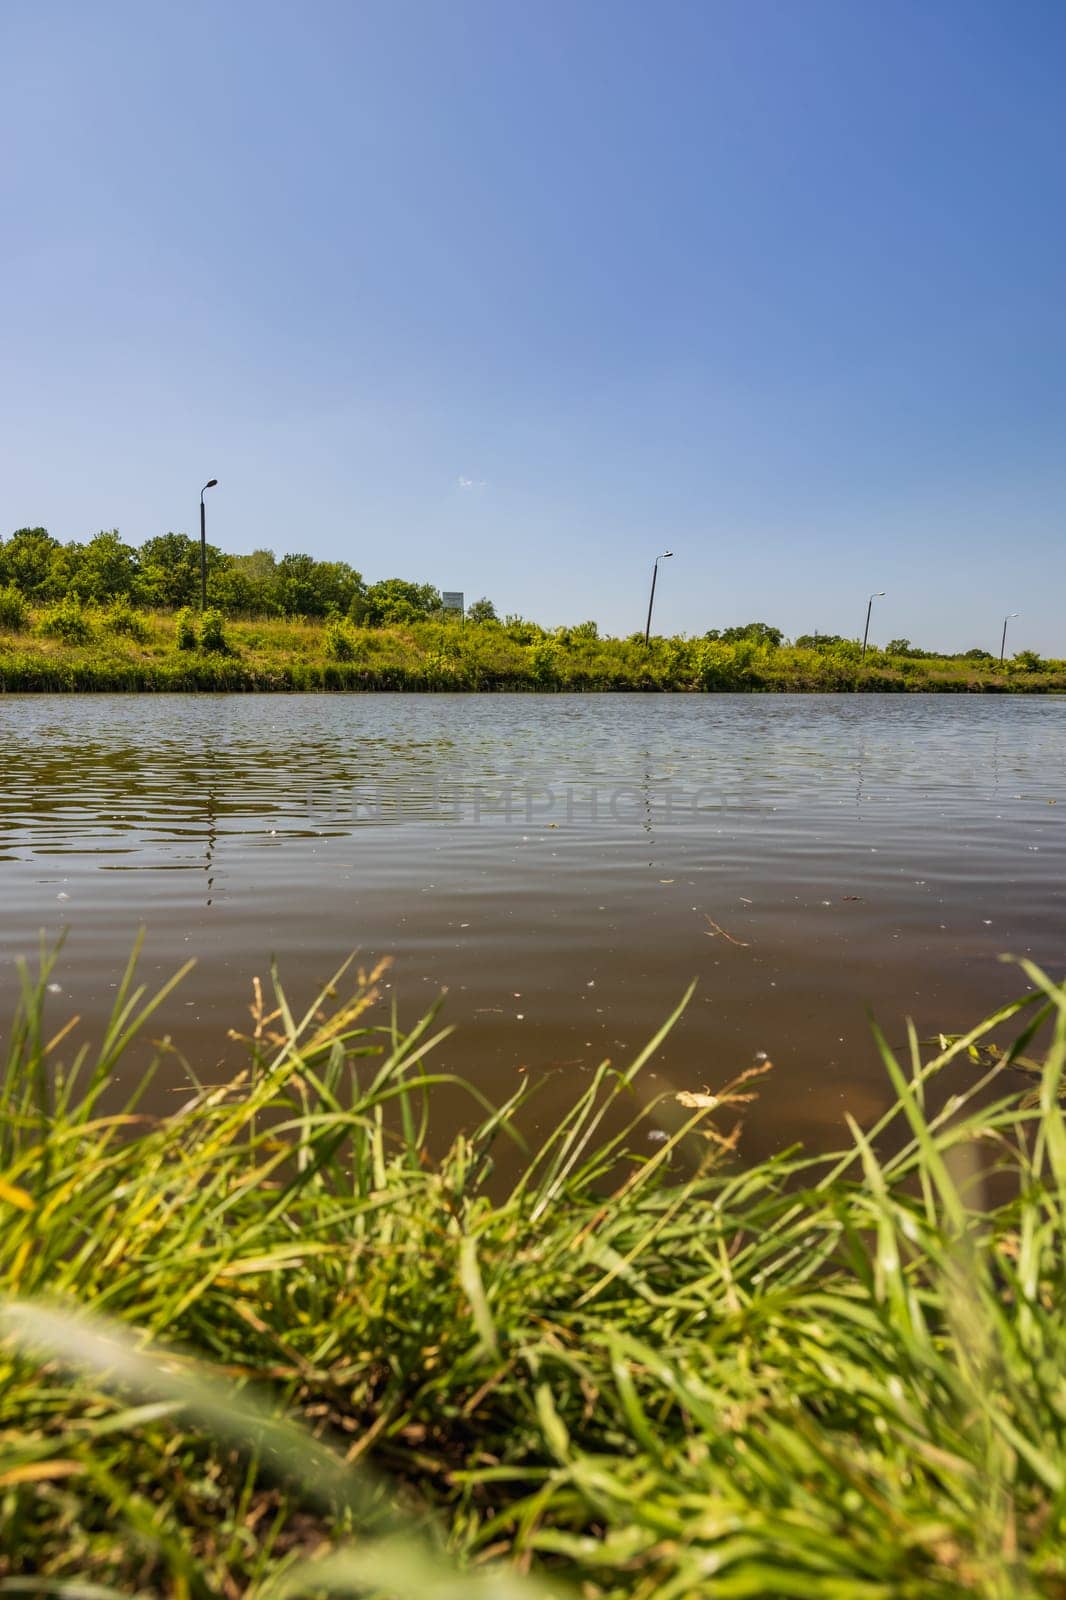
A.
pixel 67 649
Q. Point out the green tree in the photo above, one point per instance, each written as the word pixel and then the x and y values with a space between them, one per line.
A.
pixel 395 600
pixel 825 642
pixel 304 587
pixel 755 632
pixel 247 584
pixel 481 611
pixel 170 570
pixel 28 560
pixel 105 568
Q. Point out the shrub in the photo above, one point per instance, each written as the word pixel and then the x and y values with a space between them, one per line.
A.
pixel 711 663
pixel 67 621
pixel 544 661
pixel 14 612
pixel 122 618
pixel 340 644
pixel 186 630
pixel 212 632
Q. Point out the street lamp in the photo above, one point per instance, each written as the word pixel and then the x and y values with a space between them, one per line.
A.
pixel 651 599
pixel 1003 641
pixel 869 607
pixel 210 484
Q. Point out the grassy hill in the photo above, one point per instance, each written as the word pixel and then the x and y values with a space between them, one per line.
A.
pixel 68 647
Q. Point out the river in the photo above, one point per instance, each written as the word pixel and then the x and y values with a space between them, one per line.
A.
pixel 562 865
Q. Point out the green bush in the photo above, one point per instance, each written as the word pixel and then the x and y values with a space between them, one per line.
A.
pixel 340 643
pixel 67 621
pixel 186 630
pixel 213 633
pixel 14 612
pixel 123 619
pixel 544 657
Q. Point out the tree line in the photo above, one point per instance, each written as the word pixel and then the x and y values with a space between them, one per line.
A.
pixel 164 573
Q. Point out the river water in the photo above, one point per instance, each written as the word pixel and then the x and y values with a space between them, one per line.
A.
pixel 562 865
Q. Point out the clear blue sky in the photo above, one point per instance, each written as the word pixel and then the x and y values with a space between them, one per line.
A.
pixel 510 296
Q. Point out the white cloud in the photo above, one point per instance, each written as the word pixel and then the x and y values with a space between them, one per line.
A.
pixel 471 483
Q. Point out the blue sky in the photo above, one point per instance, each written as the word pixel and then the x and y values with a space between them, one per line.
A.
pixel 509 297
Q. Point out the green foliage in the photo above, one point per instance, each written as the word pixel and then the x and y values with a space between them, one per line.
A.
pixel 14 612
pixel 170 570
pixel 212 632
pixel 1028 661
pixel 121 618
pixel 104 569
pixel 185 633
pixel 637 1369
pixel 66 621
pixel 749 632
pixel 903 647
pixel 341 644
pixel 521 630
pixel 481 611
pixel 27 561
pixel 544 662
pixel 304 587
pixel 394 601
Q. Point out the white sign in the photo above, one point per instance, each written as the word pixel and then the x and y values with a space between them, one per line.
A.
pixel 452 599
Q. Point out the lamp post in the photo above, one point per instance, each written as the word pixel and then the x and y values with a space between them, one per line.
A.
pixel 869 607
pixel 210 484
pixel 1003 641
pixel 651 599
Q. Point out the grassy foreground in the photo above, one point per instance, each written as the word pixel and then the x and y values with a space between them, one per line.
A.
pixel 67 647
pixel 632 1374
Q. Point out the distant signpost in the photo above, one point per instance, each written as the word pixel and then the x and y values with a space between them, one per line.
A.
pixel 452 600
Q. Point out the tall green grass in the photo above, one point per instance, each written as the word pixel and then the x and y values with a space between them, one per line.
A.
pixel 321 1358
pixel 74 648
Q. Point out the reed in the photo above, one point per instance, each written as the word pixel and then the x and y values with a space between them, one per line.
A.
pixel 270 1343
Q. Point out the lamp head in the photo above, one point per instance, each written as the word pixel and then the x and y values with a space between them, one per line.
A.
pixel 665 555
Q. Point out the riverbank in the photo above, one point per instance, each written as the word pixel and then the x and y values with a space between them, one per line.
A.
pixel 640 1369
pixel 68 649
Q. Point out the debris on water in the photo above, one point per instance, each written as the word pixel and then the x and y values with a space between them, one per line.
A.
pixel 696 1101
pixel 55 988
pixel 851 896
pixel 715 930
pixel 658 1136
